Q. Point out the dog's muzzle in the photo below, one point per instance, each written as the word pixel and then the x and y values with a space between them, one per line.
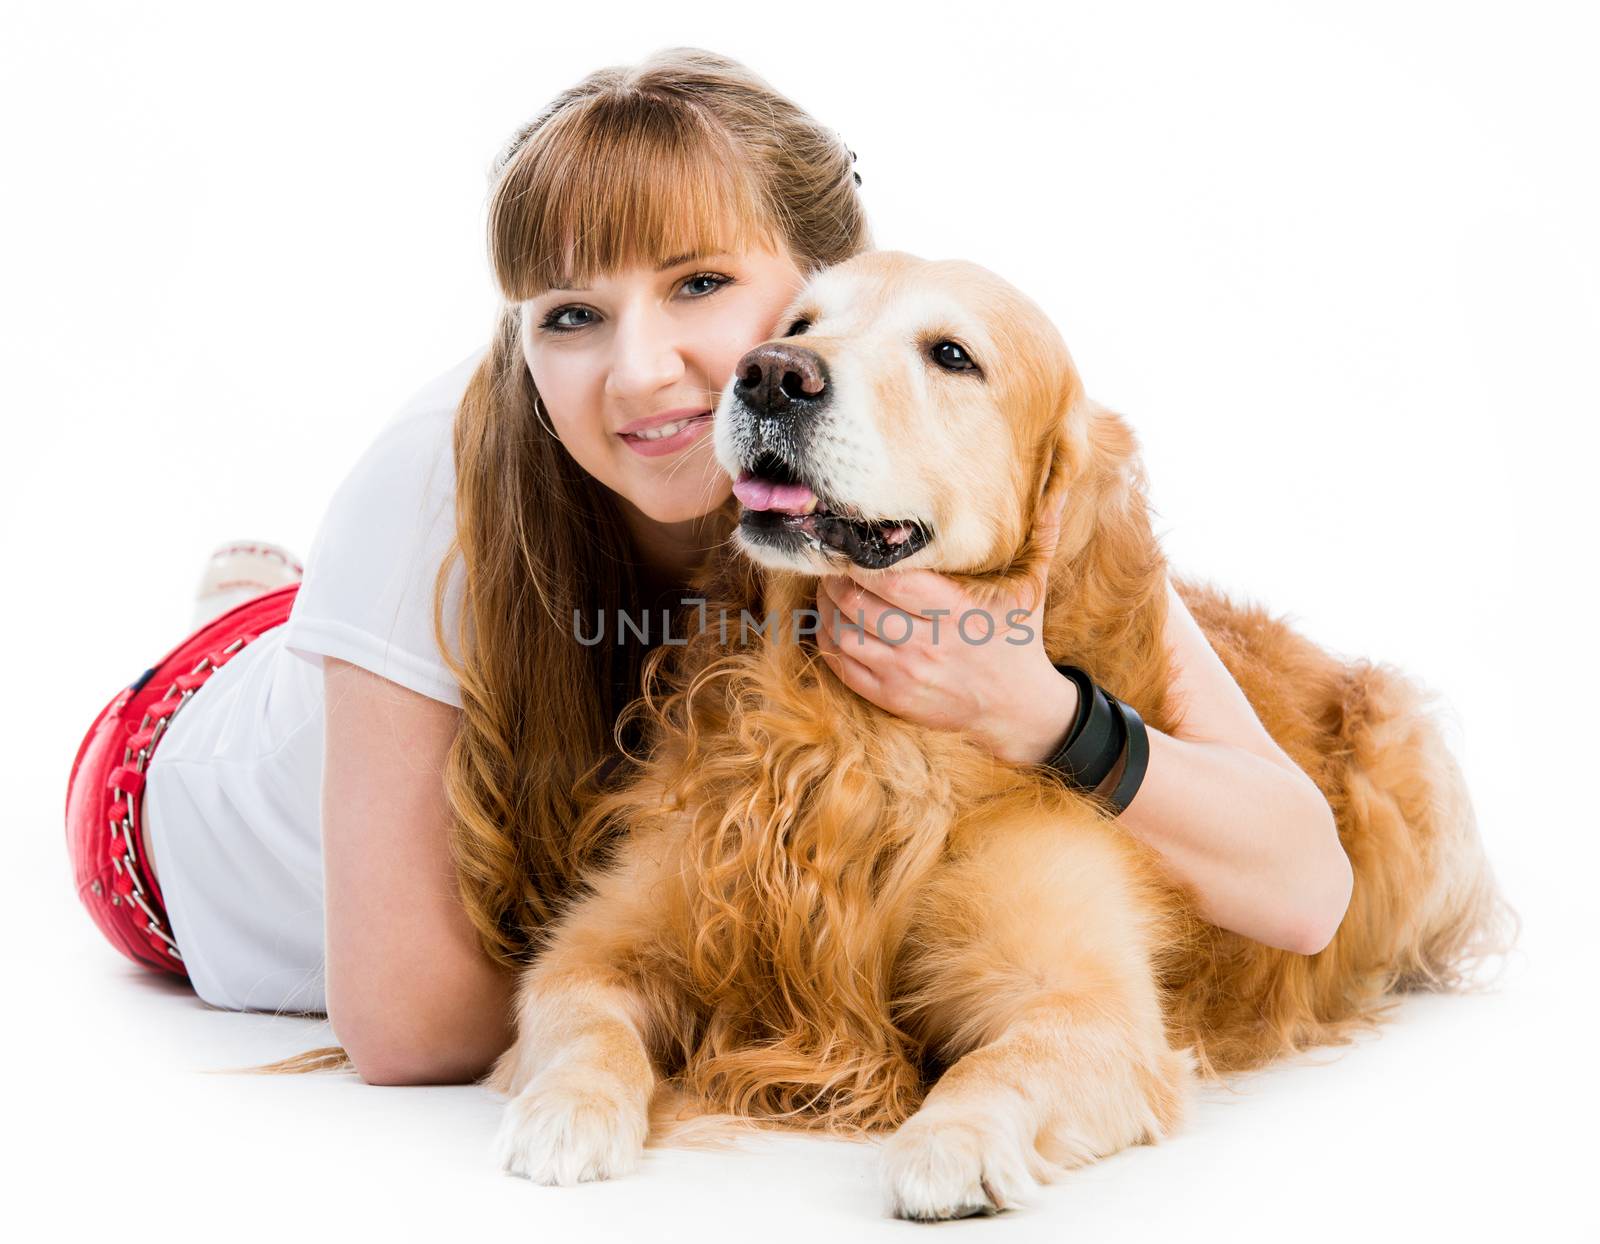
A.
pixel 780 390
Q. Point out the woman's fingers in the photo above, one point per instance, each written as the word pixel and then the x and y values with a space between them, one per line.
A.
pixel 852 671
pixel 860 620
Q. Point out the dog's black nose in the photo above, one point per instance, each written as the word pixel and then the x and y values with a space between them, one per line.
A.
pixel 781 378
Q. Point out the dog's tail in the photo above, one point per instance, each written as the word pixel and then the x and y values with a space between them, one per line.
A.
pixel 1459 920
pixel 1426 913
pixel 323 1058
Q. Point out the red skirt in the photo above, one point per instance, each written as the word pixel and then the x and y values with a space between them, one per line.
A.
pixel 105 792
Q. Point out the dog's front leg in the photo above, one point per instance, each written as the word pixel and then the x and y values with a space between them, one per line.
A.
pixel 1035 977
pixel 589 1011
pixel 579 1077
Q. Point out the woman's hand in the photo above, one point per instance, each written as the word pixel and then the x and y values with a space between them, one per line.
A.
pixel 926 665
pixel 1234 818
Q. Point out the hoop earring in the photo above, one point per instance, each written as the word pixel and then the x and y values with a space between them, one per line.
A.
pixel 541 415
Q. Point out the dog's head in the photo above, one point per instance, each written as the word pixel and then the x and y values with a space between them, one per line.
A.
pixel 912 412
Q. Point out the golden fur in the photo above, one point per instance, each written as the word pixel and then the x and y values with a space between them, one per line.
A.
pixel 821 912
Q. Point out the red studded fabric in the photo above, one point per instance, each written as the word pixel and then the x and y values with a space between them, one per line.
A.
pixel 105 791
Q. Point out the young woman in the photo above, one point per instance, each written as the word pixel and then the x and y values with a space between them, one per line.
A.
pixel 353 789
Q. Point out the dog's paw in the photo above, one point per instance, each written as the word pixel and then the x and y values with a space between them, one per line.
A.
pixel 557 1131
pixel 941 1165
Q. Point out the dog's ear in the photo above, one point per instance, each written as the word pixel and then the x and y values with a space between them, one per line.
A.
pixel 1094 460
pixel 1066 455
pixel 1107 599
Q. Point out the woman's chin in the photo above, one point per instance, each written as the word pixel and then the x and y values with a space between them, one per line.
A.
pixel 685 506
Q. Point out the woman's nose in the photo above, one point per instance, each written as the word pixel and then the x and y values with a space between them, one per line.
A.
pixel 648 354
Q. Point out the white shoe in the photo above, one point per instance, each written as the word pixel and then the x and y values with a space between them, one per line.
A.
pixel 238 571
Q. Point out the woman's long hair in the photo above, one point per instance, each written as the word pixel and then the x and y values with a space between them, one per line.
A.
pixel 631 166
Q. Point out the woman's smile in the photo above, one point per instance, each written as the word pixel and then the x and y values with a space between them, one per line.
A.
pixel 667 438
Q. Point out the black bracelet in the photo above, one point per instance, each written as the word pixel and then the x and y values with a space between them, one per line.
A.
pixel 1080 716
pixel 1094 742
pixel 1136 757
pixel 1104 729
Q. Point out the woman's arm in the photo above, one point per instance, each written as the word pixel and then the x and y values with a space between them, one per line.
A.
pixel 1232 815
pixel 411 995
pixel 1235 818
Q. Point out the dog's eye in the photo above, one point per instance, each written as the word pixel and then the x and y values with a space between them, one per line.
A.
pixel 952 357
pixel 798 327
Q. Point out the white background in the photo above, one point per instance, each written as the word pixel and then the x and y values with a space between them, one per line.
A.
pixel 1336 263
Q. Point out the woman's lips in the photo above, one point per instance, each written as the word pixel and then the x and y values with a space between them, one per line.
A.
pixel 660 446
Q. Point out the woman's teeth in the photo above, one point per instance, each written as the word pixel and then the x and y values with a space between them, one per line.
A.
pixel 666 429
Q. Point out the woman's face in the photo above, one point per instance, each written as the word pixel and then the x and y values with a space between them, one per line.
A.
pixel 644 350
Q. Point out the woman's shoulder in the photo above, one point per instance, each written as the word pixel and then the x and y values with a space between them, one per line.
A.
pixel 367 595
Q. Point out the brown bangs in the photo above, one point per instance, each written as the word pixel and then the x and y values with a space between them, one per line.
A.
pixel 649 177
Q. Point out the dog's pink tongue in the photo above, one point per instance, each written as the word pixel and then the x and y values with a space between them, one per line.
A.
pixel 762 494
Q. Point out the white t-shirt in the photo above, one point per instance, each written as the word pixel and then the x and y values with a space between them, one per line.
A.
pixel 233 793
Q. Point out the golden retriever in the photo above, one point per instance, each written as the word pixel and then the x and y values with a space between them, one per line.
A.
pixel 821 913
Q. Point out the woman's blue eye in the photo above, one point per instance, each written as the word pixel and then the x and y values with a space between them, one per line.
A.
pixel 717 279
pixel 552 321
